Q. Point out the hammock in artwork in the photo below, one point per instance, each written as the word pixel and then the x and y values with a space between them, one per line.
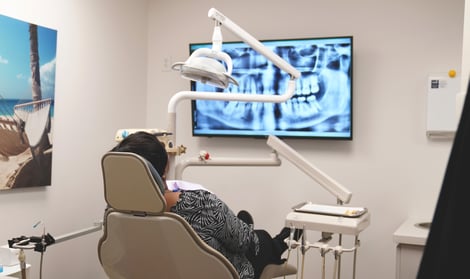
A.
pixel 36 117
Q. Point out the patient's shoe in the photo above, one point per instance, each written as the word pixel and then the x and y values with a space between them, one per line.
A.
pixel 279 240
pixel 246 217
pixel 285 233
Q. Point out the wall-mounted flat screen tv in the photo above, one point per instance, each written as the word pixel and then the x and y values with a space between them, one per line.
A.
pixel 320 108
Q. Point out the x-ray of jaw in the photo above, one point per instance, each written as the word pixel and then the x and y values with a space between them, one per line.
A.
pixel 321 103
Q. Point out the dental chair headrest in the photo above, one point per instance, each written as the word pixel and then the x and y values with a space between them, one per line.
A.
pixel 131 184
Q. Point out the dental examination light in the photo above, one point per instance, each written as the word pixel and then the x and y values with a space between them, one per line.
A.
pixel 198 68
pixel 336 189
pixel 204 66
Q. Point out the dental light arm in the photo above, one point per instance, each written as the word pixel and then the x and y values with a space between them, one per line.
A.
pixel 222 20
pixel 273 160
pixel 245 97
pixel 336 189
pixel 253 42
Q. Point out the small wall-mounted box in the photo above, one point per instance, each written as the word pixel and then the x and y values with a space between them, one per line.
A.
pixel 442 116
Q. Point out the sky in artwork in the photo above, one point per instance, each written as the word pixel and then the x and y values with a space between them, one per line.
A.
pixel 15 71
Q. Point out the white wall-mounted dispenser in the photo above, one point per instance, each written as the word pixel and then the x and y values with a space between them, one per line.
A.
pixel 442 118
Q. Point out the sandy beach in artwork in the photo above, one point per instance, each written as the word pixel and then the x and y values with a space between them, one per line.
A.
pixel 9 168
pixel 17 168
pixel 11 151
pixel 23 171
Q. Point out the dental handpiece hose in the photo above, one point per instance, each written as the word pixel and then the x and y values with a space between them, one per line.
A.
pixel 21 258
pixel 303 249
pixel 338 260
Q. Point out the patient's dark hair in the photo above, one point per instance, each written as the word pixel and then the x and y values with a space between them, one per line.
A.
pixel 147 146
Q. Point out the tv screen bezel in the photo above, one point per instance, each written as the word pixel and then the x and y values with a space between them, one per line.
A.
pixel 348 136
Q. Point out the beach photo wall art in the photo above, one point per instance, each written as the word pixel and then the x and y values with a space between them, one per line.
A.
pixel 27 90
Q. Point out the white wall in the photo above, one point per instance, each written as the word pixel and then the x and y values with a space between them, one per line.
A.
pixel 465 49
pixel 100 87
pixel 110 52
pixel 390 165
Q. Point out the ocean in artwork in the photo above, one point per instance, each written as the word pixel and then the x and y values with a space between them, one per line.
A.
pixel 7 106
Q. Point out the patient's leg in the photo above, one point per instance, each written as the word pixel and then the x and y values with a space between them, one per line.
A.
pixel 270 249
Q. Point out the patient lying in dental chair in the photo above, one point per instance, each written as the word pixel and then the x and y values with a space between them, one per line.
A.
pixel 249 250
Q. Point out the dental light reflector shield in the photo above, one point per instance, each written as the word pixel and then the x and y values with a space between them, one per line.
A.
pixel 204 66
pixel 339 191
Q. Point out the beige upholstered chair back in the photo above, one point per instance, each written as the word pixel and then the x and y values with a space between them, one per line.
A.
pixel 141 240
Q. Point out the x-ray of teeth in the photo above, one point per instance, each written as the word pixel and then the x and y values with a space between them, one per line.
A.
pixel 322 99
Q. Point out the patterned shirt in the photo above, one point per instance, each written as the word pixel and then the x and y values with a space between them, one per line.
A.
pixel 219 227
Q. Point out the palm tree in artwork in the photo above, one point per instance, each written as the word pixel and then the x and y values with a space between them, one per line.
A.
pixel 38 151
pixel 34 62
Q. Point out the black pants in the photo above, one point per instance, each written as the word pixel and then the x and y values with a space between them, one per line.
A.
pixel 270 251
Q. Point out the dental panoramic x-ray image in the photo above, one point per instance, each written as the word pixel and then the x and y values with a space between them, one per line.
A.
pixel 320 107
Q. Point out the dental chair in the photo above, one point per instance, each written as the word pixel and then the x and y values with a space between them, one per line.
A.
pixel 140 240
